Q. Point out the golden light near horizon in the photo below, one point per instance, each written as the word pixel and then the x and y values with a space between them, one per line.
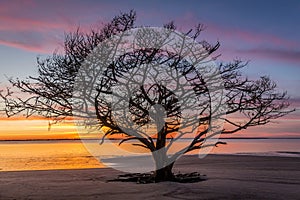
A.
pixel 37 128
pixel 33 129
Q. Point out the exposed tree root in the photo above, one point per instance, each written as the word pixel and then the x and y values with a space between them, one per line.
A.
pixel 144 178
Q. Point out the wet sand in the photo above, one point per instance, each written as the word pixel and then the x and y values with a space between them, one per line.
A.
pixel 228 177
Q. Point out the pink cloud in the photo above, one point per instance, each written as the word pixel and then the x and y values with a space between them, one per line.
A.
pixel 274 54
pixel 9 23
pixel 248 44
pixel 257 39
pixel 24 46
pixel 15 34
pixel 237 43
pixel 37 25
pixel 51 17
pixel 216 31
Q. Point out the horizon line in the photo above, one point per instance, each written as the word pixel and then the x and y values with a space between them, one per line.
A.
pixel 78 139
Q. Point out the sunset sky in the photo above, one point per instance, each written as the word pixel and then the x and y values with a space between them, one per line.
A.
pixel 266 33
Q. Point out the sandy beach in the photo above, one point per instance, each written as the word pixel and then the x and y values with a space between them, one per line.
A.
pixel 228 177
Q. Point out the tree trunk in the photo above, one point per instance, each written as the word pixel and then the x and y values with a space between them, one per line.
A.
pixel 164 167
pixel 164 174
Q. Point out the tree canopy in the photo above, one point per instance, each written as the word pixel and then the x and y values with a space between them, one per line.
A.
pixel 180 91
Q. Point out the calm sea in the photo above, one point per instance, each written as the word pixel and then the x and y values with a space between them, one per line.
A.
pixel 72 154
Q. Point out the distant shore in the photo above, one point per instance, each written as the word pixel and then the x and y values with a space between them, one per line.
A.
pixel 228 177
pixel 116 139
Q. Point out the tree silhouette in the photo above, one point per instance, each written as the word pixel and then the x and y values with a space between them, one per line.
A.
pixel 148 94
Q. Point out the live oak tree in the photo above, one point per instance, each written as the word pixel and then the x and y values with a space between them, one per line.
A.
pixel 152 86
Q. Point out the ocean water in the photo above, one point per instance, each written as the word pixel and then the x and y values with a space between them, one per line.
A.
pixel 72 154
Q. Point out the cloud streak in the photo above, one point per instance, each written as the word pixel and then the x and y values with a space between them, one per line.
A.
pixel 25 46
pixel 20 20
pixel 245 42
pixel 284 55
pixel 46 24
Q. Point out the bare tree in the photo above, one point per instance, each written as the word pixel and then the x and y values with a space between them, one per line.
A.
pixel 148 85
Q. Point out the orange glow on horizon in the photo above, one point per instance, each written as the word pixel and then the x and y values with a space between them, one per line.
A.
pixel 5 118
pixel 36 128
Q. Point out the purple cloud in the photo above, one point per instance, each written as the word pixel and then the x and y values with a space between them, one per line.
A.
pixel 284 55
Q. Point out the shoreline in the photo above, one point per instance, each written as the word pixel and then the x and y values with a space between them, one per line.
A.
pixel 90 162
pixel 114 139
pixel 228 177
pixel 93 163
